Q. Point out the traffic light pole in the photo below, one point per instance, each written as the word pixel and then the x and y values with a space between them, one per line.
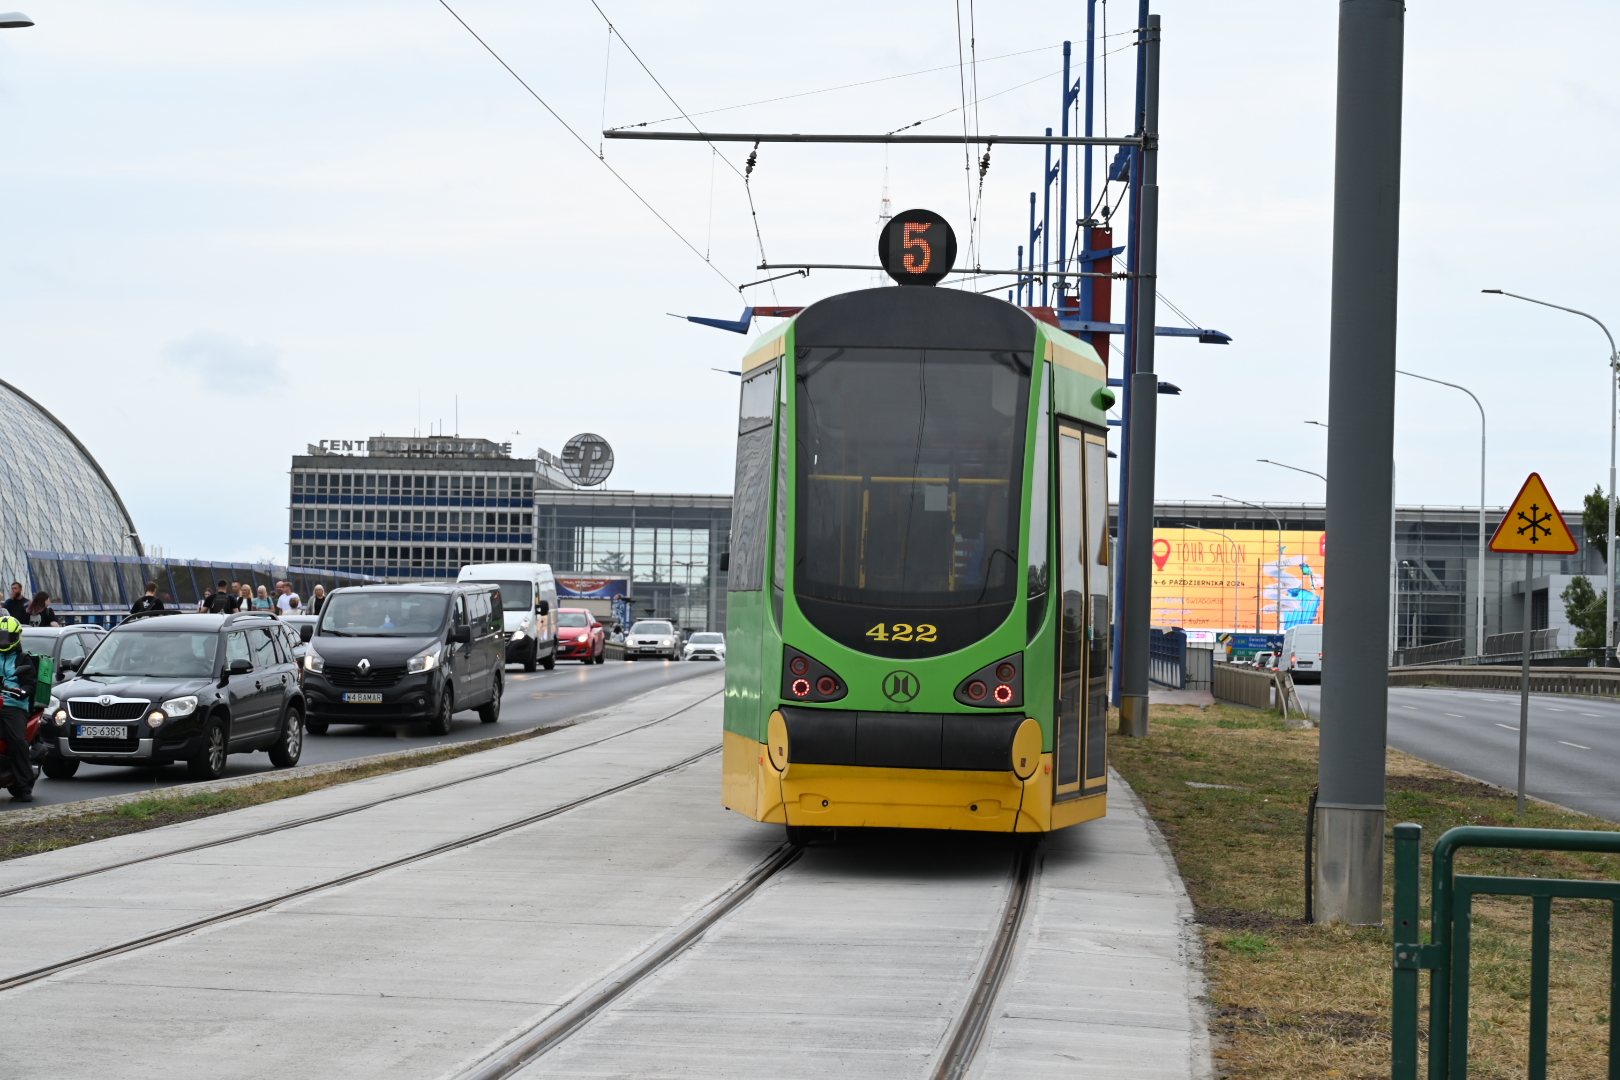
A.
pixel 1361 429
pixel 1137 625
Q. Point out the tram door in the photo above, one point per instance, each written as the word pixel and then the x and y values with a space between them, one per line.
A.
pixel 1082 735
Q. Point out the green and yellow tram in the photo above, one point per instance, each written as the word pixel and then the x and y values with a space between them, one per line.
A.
pixel 918 605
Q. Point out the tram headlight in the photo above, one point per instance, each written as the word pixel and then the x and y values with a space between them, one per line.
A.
pixel 997 685
pixel 805 679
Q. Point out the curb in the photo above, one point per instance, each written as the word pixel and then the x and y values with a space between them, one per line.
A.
pixel 34 815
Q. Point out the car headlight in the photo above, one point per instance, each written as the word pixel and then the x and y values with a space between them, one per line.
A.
pixel 176 707
pixel 517 635
pixel 313 661
pixel 426 660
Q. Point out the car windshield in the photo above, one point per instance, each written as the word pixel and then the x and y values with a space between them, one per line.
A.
pixel 573 618
pixel 708 639
pixel 391 614
pixel 161 653
pixel 663 628
pixel 515 595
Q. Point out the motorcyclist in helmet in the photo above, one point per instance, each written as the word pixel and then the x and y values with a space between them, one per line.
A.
pixel 14 711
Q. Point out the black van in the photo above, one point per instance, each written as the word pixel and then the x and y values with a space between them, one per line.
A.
pixel 402 654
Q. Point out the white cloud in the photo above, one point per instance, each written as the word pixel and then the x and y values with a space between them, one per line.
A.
pixel 226 364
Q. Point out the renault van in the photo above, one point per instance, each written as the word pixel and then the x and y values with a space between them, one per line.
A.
pixel 402 654
pixel 529 593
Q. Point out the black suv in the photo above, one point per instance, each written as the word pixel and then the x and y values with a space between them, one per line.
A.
pixel 401 654
pixel 190 688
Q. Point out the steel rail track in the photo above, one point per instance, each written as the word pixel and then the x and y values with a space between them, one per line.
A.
pixel 315 818
pixel 975 1015
pixel 522 1051
pixel 13 981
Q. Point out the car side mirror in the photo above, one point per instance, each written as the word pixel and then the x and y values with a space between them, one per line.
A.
pixel 70 665
pixel 240 666
pixel 306 632
pixel 460 635
pixel 543 607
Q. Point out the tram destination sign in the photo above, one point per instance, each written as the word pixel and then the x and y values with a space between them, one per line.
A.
pixel 917 247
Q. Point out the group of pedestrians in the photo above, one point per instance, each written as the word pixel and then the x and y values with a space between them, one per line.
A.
pixel 233 596
pixel 35 612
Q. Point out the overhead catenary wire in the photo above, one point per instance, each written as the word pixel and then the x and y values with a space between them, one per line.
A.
pixel 569 128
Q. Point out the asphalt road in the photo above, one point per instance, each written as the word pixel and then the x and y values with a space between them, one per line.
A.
pixel 1574 741
pixel 545 697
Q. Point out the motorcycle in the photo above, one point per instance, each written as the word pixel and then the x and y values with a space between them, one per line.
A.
pixel 37 750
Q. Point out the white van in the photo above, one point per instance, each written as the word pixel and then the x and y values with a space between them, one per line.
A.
pixel 529 597
pixel 1302 653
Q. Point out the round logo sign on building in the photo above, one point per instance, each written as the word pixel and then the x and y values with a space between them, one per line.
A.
pixel 587 459
pixel 917 247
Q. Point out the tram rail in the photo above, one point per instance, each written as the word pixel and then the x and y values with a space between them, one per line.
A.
pixel 312 819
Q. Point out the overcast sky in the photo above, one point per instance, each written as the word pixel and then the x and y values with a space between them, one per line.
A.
pixel 232 230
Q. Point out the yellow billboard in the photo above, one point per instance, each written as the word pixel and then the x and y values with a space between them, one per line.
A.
pixel 1238 579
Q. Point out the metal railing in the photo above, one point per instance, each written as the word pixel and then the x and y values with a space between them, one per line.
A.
pixel 1447 955
pixel 1437 653
pixel 1512 643
pixel 1167 658
pixel 1588 681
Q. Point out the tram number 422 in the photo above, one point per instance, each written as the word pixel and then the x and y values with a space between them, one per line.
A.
pixel 903 632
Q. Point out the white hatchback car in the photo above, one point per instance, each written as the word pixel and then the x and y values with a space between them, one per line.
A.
pixel 705 646
pixel 652 637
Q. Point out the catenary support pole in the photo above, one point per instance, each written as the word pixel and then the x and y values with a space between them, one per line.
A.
pixel 1361 429
pixel 1137 629
pixel 1524 676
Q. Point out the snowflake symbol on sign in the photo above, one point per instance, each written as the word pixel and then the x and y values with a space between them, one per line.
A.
pixel 1533 521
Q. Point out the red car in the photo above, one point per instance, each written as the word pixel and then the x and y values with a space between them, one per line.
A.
pixel 579 636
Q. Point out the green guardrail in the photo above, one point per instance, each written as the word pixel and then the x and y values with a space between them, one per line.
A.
pixel 1446 955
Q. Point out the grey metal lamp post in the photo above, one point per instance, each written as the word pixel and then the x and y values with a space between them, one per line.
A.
pixel 1479 614
pixel 1614 403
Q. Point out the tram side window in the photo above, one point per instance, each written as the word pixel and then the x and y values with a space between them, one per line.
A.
pixel 1040 501
pixel 750 529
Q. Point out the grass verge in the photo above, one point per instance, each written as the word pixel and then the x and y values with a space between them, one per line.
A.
pixel 1289 999
pixel 34 837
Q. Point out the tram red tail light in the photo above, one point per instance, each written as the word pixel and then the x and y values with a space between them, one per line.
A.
pixel 995 686
pixel 808 680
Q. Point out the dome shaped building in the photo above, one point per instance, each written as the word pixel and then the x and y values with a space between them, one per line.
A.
pixel 55 496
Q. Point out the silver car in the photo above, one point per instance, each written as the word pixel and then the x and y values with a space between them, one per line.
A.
pixel 652 637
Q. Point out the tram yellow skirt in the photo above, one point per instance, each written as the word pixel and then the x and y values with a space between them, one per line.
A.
pixel 853 795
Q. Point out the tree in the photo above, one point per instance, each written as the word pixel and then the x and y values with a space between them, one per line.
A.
pixel 1595 521
pixel 1583 607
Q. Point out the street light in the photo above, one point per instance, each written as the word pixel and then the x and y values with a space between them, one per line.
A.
pixel 1614 403
pixel 1479 614
pixel 13 20
pixel 1280 556
pixel 1280 465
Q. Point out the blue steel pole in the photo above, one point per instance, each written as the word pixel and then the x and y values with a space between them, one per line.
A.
pixel 1029 293
pixel 1063 184
pixel 1087 285
pixel 1046 224
pixel 1018 282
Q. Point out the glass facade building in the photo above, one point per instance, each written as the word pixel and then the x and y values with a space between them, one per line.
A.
pixel 669 546
pixel 414 509
pixel 1434 568
pixel 60 500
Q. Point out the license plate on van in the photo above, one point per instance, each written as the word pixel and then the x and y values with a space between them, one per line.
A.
pixel 363 699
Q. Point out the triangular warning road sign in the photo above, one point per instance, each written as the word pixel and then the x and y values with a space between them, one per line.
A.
pixel 1534 524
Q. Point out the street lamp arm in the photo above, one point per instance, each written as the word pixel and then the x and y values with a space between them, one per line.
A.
pixel 1280 465
pixel 1454 386
pixel 1560 307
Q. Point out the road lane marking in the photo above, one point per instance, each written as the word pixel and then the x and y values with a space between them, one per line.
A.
pixel 1414 708
pixel 1554 708
pixel 1458 715
pixel 1591 714
pixel 1576 745
pixel 1510 727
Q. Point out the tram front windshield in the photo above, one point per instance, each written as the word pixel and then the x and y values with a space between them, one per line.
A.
pixel 910 469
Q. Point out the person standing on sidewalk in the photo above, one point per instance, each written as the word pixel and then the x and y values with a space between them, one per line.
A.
pixel 16 604
pixel 149 602
pixel 14 712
